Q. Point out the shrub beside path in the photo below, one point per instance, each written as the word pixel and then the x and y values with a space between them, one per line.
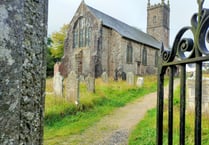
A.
pixel 114 129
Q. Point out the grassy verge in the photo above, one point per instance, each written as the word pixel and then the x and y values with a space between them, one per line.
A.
pixel 145 131
pixel 63 119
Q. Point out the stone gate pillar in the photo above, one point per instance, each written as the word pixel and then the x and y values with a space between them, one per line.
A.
pixel 23 25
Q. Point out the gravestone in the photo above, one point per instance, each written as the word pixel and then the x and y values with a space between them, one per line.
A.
pixel 130 78
pixel 116 75
pixel 140 82
pixel 81 78
pixel 56 67
pixel 105 77
pixel 191 94
pixel 123 75
pixel 23 38
pixel 58 84
pixel 90 83
pixel 72 88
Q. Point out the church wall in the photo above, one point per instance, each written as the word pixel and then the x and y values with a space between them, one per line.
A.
pixel 111 50
pixel 151 67
pixel 115 52
pixel 131 67
pixel 106 40
pixel 114 49
pixel 136 66
pixel 69 62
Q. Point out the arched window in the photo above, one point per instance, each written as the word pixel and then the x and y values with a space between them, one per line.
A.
pixel 144 56
pixel 154 19
pixel 129 53
pixel 81 33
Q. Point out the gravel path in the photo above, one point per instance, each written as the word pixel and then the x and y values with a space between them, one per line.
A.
pixel 114 129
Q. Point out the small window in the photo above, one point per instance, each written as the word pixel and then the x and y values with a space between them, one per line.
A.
pixel 156 58
pixel 129 53
pixel 144 57
pixel 154 19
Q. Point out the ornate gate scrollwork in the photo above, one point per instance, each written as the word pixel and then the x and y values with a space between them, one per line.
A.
pixel 184 51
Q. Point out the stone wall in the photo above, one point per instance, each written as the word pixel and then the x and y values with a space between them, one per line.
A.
pixel 114 49
pixel 23 38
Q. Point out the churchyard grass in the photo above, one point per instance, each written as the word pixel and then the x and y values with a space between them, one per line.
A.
pixel 63 119
pixel 145 131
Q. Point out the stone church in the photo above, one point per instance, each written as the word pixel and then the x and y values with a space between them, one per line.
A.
pixel 97 42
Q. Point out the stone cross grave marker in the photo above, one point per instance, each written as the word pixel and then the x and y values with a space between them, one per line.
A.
pixel 58 85
pixel 72 87
pixel 130 78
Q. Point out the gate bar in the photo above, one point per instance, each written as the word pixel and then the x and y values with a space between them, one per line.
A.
pixel 182 103
pixel 160 102
pixel 170 106
pixel 198 103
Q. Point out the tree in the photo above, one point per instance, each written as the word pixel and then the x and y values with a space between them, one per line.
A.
pixel 58 38
pixel 49 58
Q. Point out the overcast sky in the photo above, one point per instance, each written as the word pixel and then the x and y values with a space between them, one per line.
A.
pixel 132 12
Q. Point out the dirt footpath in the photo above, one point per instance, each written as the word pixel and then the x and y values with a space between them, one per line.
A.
pixel 114 129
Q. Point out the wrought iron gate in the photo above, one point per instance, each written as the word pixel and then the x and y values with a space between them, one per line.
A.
pixel 184 51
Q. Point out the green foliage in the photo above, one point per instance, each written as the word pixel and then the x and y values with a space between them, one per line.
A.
pixel 58 39
pixel 55 48
pixel 145 132
pixel 63 118
pixel 49 59
pixel 141 136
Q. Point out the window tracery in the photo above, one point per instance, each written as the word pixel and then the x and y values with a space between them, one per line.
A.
pixel 81 33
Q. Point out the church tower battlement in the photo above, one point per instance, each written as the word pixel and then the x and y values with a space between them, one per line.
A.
pixel 158 21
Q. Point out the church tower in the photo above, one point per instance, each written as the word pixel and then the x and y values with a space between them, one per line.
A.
pixel 158 21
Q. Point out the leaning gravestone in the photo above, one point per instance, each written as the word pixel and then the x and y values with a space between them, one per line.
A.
pixel 58 84
pixel 90 83
pixel 23 38
pixel 105 77
pixel 130 78
pixel 72 87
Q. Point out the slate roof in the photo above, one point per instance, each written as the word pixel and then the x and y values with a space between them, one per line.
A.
pixel 125 30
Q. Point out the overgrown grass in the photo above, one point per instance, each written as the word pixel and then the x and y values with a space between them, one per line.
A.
pixel 63 118
pixel 145 131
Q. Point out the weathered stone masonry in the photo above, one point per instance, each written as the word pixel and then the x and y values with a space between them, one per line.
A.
pixel 112 45
pixel 23 25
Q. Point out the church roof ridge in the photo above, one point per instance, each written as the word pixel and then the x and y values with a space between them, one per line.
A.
pixel 124 29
